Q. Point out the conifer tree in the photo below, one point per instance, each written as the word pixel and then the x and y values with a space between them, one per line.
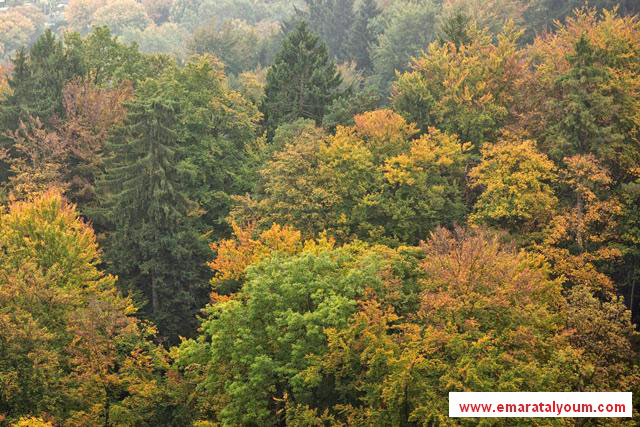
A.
pixel 302 82
pixel 154 245
pixel 36 87
pixel 362 35
pixel 332 21
pixel 455 29
pixel 38 80
pixel 591 111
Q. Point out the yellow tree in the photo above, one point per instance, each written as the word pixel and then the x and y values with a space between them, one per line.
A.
pixel 465 90
pixel 582 235
pixel 488 319
pixel 515 179
pixel 71 346
pixel 370 181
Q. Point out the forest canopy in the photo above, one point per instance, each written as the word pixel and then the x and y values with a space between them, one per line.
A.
pixel 310 213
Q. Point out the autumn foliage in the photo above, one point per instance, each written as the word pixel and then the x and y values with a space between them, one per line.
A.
pixel 335 224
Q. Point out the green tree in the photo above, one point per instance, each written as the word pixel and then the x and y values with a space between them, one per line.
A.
pixel 594 117
pixel 108 62
pixel 37 82
pixel 175 163
pixel 255 347
pixel 301 83
pixel 454 28
pixel 331 20
pixel 71 349
pixel 153 231
pixel 408 28
pixel 363 36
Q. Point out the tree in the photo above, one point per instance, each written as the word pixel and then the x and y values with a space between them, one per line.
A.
pixel 107 61
pixel 332 21
pixel 158 10
pixel 301 83
pixel 581 104
pixel 71 350
pixel 16 31
pixel 120 15
pixel 91 114
pixel 599 324
pixel 68 157
pixel 516 187
pixel 37 82
pixel 362 36
pixel 490 318
pixel 38 161
pixel 491 14
pixel 581 97
pixel 167 39
pixel 408 28
pixel 79 14
pixel 172 168
pixel 255 347
pixel 466 91
pixel 152 229
pixel 581 239
pixel 36 85
pixel 542 14
pixel 235 43
pixel 455 28
pixel 370 181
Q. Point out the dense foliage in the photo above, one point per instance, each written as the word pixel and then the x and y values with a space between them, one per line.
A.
pixel 315 213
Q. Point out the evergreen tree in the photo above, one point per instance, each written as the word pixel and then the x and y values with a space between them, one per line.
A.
pixel 332 20
pixel 36 87
pixel 409 28
pixel 455 29
pixel 154 247
pixel 302 82
pixel 38 81
pixel 362 35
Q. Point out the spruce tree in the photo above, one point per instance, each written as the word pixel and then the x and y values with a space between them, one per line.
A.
pixel 154 245
pixel 455 29
pixel 332 20
pixel 362 35
pixel 36 85
pixel 38 80
pixel 590 111
pixel 302 82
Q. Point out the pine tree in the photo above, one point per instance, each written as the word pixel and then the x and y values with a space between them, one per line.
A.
pixel 302 82
pixel 154 247
pixel 362 35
